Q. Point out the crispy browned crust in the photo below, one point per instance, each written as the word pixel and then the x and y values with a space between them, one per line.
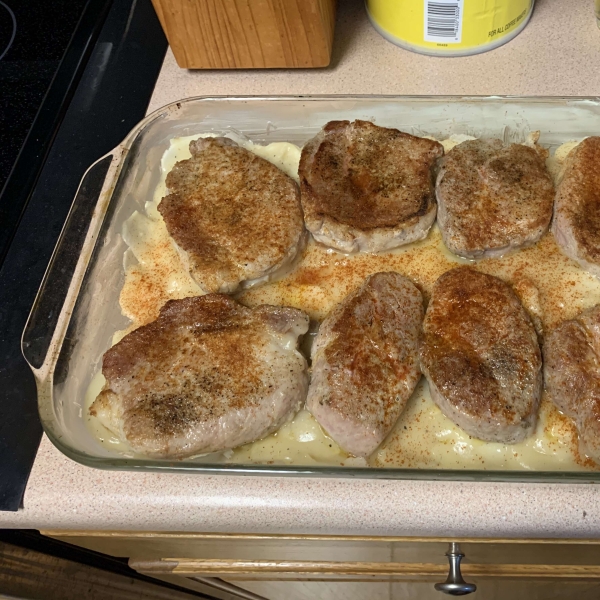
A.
pixel 367 177
pixel 481 356
pixel 366 362
pixel 572 375
pixel 235 215
pixel 190 320
pixel 577 210
pixel 366 332
pixel 493 197
pixel 201 359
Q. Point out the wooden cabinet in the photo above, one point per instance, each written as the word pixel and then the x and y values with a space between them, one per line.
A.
pixel 296 567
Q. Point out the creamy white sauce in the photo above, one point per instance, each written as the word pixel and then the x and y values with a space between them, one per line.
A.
pixel 106 437
pixel 423 437
pixel 555 162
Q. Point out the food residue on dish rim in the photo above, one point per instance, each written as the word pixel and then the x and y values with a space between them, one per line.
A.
pixel 423 437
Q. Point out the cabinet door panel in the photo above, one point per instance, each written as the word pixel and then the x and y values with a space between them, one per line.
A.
pixel 503 590
pixel 321 590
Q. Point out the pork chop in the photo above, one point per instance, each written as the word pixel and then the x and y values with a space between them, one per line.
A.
pixel 576 224
pixel 209 374
pixel 235 218
pixel 366 362
pixel 493 198
pixel 367 188
pixel 572 375
pixel 481 356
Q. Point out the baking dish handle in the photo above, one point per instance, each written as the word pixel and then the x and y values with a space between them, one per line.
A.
pixel 67 266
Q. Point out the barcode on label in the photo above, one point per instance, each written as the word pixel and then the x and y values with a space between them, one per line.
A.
pixel 443 21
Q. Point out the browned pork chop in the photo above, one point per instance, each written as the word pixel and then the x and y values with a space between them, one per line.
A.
pixel 493 198
pixel 576 224
pixel 481 356
pixel 367 188
pixel 209 374
pixel 236 218
pixel 366 362
pixel 572 375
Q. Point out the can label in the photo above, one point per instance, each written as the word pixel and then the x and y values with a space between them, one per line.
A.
pixel 447 26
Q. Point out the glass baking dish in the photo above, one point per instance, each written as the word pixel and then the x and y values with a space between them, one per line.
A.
pixel 77 308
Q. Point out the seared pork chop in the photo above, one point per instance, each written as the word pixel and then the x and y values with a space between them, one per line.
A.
pixel 576 224
pixel 572 375
pixel 235 218
pixel 481 356
pixel 209 374
pixel 367 188
pixel 493 198
pixel 366 362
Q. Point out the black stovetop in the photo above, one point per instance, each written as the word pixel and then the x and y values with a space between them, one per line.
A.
pixel 34 40
pixel 43 31
pixel 77 77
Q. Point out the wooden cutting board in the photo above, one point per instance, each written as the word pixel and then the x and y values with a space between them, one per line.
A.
pixel 248 34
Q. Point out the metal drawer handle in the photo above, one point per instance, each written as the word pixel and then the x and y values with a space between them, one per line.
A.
pixel 455 585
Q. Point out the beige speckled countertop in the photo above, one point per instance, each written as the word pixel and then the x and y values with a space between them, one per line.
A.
pixel 557 54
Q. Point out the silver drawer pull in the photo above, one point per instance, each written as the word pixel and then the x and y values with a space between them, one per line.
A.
pixel 455 585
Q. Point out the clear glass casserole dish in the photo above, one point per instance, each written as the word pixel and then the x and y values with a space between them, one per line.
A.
pixel 77 308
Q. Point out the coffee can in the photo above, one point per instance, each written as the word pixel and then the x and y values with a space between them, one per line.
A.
pixel 449 27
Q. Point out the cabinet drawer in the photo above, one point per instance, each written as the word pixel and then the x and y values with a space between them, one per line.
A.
pixel 340 549
pixel 355 571
pixel 297 567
